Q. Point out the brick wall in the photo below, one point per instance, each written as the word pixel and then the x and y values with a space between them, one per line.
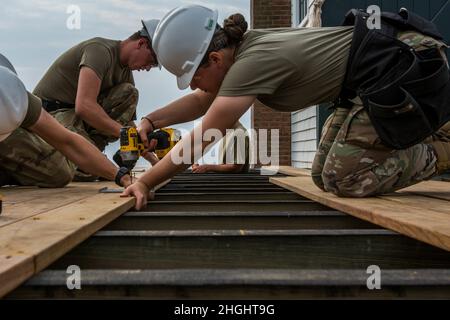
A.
pixel 272 14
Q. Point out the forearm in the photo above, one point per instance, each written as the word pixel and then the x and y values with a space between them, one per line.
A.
pixel 221 117
pixel 185 109
pixel 76 148
pixel 94 115
pixel 225 167
pixel 163 170
pixel 87 157
pixel 151 157
pixel 167 168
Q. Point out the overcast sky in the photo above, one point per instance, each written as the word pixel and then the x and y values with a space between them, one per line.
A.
pixel 34 33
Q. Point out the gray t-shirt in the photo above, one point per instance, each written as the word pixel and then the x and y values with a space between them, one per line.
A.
pixel 290 69
pixel 60 82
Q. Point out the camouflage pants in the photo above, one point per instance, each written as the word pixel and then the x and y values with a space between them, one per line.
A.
pixel 26 159
pixel 352 162
pixel 119 103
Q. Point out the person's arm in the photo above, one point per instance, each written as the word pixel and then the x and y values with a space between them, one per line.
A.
pixel 185 109
pixel 87 108
pixel 151 157
pixel 222 168
pixel 76 148
pixel 222 115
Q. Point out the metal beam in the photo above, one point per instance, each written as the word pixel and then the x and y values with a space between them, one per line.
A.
pixel 244 233
pixel 307 251
pixel 253 277
pixel 235 221
pixel 287 214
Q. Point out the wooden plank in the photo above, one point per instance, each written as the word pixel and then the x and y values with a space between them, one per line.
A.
pixel 21 194
pixel 14 270
pixel 419 201
pixel 287 170
pixel 47 200
pixel 431 189
pixel 24 202
pixel 46 237
pixel 35 242
pixel 429 226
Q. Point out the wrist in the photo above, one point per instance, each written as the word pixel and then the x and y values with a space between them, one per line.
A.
pixel 126 181
pixel 121 173
pixel 147 187
pixel 150 121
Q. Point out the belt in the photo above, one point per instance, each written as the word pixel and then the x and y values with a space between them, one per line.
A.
pixel 53 105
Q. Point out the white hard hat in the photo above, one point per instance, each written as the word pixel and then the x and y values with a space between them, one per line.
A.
pixel 148 30
pixel 4 62
pixel 182 39
pixel 13 99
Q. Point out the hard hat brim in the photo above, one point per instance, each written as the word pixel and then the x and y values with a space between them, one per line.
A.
pixel 148 31
pixel 149 28
pixel 4 62
pixel 184 81
pixel 4 136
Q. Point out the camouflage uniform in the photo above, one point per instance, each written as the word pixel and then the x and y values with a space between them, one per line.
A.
pixel 352 162
pixel 119 103
pixel 29 160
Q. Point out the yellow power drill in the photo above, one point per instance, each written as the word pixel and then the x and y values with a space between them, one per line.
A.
pixel 132 147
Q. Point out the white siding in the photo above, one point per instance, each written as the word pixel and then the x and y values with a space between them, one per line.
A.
pixel 304 137
pixel 296 19
pixel 304 122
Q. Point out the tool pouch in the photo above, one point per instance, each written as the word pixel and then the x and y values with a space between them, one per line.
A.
pixel 405 107
pixel 406 93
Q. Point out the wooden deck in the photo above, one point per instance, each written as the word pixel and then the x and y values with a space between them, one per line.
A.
pixel 421 211
pixel 37 226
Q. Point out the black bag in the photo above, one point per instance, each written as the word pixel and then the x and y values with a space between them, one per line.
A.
pixel 405 93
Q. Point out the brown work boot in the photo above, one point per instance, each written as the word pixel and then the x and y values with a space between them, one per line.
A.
pixel 443 134
pixel 442 150
pixel 6 179
pixel 441 145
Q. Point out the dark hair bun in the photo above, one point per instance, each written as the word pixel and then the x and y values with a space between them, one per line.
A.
pixel 235 27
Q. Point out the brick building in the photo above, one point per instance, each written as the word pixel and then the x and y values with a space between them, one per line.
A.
pixel 272 14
